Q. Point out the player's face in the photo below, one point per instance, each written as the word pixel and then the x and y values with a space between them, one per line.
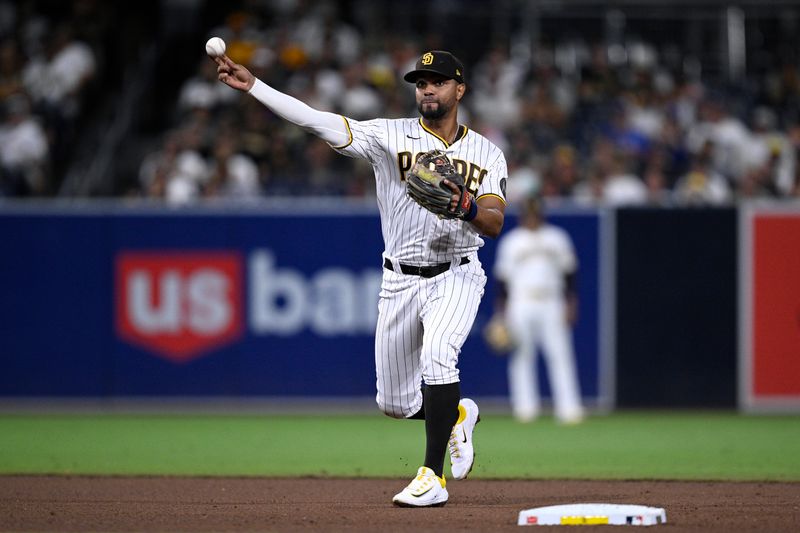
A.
pixel 437 96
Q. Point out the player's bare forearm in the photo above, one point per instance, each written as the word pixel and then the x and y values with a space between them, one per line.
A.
pixel 490 213
pixel 571 310
pixel 490 217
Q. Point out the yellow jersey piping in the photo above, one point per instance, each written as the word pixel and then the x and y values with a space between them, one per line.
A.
pixel 492 194
pixel 460 134
pixel 349 135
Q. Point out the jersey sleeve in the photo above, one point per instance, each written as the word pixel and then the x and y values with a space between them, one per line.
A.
pixel 494 184
pixel 567 260
pixel 365 139
pixel 503 261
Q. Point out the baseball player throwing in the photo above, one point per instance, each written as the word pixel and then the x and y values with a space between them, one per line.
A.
pixel 536 267
pixel 440 186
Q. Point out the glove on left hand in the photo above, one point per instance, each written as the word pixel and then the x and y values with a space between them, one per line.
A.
pixel 425 185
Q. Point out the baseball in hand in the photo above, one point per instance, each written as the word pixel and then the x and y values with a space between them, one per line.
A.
pixel 215 47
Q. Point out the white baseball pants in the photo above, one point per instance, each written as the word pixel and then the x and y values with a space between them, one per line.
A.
pixel 542 323
pixel 422 325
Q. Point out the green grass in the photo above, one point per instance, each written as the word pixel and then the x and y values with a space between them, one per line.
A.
pixel 656 445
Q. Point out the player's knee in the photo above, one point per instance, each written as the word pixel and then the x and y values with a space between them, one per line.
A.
pixel 390 408
pixel 441 371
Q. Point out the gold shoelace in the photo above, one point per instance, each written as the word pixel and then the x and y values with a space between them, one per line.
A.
pixel 453 444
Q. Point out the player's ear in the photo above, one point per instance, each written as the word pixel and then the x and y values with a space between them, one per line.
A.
pixel 461 88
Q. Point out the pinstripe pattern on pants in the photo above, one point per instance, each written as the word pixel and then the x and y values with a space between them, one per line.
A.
pixel 422 325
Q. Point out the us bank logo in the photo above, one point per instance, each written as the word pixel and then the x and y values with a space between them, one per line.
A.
pixel 181 305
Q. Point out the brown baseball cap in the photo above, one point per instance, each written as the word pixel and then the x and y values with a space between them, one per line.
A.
pixel 437 62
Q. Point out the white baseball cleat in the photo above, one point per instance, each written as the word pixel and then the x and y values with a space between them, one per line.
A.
pixel 525 416
pixel 462 451
pixel 425 490
pixel 570 419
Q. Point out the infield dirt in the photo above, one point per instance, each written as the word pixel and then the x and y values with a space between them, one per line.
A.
pixel 150 504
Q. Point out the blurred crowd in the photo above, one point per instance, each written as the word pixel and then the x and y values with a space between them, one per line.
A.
pixel 592 123
pixel 48 71
pixel 615 127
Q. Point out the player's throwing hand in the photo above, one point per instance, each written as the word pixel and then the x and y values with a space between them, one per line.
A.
pixel 233 74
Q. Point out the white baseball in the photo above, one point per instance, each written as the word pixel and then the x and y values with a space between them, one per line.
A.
pixel 215 47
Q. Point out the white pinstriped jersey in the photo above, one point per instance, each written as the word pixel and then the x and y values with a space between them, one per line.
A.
pixel 411 234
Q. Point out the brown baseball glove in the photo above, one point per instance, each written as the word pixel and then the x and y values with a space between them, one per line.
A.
pixel 425 185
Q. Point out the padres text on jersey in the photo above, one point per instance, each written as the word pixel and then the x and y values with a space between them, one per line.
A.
pixel 412 234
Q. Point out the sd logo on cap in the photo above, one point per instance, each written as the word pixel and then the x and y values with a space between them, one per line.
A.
pixel 437 62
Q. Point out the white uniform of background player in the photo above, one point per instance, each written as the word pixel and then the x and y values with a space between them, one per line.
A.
pixel 533 261
pixel 432 279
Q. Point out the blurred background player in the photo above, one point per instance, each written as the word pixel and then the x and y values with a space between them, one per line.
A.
pixel 536 269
